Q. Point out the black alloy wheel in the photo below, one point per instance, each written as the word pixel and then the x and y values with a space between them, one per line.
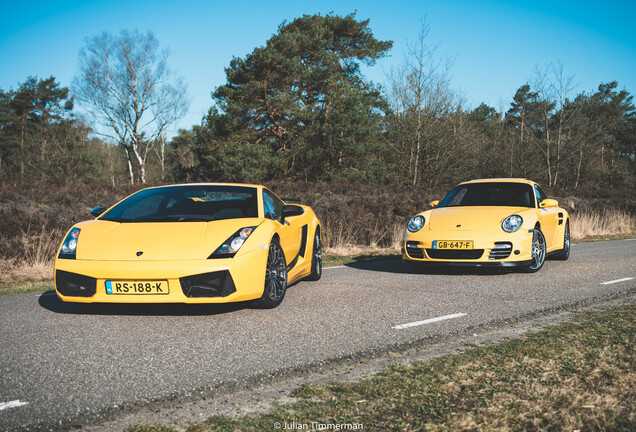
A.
pixel 275 277
pixel 565 252
pixel 316 259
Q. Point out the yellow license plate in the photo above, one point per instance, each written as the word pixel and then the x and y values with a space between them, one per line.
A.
pixel 453 244
pixel 136 287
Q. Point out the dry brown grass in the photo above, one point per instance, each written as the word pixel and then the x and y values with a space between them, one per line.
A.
pixel 35 256
pixel 602 223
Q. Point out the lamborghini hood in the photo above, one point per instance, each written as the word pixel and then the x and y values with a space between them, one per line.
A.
pixel 155 241
pixel 470 218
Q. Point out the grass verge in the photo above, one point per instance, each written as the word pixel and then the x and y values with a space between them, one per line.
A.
pixel 604 237
pixel 355 256
pixel 18 286
pixel 575 376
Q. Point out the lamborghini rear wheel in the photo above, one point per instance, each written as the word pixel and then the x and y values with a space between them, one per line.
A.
pixel 275 277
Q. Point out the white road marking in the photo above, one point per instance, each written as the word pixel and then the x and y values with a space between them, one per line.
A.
pixel 334 267
pixel 12 404
pixel 428 321
pixel 630 239
pixel 616 281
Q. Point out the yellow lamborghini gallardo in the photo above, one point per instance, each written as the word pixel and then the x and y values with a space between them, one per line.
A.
pixel 190 243
pixel 492 222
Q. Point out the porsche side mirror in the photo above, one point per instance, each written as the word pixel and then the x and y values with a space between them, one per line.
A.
pixel 97 211
pixel 434 204
pixel 291 210
pixel 547 203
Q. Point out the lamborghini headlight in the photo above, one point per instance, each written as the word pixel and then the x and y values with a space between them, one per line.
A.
pixel 69 245
pixel 415 224
pixel 231 246
pixel 512 223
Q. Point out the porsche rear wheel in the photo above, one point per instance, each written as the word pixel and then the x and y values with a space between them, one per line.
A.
pixel 316 259
pixel 275 277
pixel 538 251
pixel 565 252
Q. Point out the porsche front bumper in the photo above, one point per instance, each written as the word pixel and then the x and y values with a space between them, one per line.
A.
pixel 498 249
pixel 188 281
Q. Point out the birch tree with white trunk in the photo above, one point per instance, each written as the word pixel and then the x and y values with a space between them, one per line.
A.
pixel 125 84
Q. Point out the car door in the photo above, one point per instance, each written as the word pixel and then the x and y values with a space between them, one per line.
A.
pixel 548 218
pixel 290 231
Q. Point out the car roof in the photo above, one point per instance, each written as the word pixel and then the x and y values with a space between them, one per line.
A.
pixel 208 184
pixel 500 180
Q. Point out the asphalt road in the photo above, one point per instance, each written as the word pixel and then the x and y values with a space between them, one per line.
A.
pixel 65 364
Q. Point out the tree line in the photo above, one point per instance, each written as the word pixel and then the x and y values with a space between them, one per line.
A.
pixel 299 108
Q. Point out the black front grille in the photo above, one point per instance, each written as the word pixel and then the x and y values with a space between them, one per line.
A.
pixel 73 284
pixel 501 250
pixel 452 254
pixel 214 284
pixel 413 250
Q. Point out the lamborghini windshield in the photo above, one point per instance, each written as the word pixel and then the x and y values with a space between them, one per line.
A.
pixel 503 194
pixel 189 203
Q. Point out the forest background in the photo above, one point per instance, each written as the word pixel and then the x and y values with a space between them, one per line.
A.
pixel 298 115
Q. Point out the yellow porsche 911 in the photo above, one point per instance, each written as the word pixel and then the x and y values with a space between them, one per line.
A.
pixel 492 222
pixel 191 243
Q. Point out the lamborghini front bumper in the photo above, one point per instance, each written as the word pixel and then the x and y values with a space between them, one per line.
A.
pixel 188 281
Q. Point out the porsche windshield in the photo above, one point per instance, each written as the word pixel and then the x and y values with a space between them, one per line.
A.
pixel 186 204
pixel 502 194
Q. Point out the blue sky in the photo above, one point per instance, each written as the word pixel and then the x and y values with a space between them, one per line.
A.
pixel 496 44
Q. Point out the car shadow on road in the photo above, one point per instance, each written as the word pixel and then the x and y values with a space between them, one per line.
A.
pixel 399 266
pixel 51 302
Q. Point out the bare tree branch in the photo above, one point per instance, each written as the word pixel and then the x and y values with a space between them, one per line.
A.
pixel 125 83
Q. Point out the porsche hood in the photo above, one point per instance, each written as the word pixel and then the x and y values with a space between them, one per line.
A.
pixel 155 241
pixel 470 218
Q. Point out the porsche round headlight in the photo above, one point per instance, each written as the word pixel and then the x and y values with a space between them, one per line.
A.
pixel 415 224
pixel 512 223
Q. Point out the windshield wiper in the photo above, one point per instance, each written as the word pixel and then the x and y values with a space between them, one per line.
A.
pixel 174 218
pixel 151 219
pixel 200 218
pixel 116 219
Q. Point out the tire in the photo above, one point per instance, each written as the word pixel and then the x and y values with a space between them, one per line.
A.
pixel 564 254
pixel 275 278
pixel 316 259
pixel 538 252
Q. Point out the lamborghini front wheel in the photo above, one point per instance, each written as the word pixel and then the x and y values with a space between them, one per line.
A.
pixel 275 277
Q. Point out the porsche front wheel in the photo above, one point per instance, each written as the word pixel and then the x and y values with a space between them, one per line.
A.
pixel 538 251
pixel 316 259
pixel 275 277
